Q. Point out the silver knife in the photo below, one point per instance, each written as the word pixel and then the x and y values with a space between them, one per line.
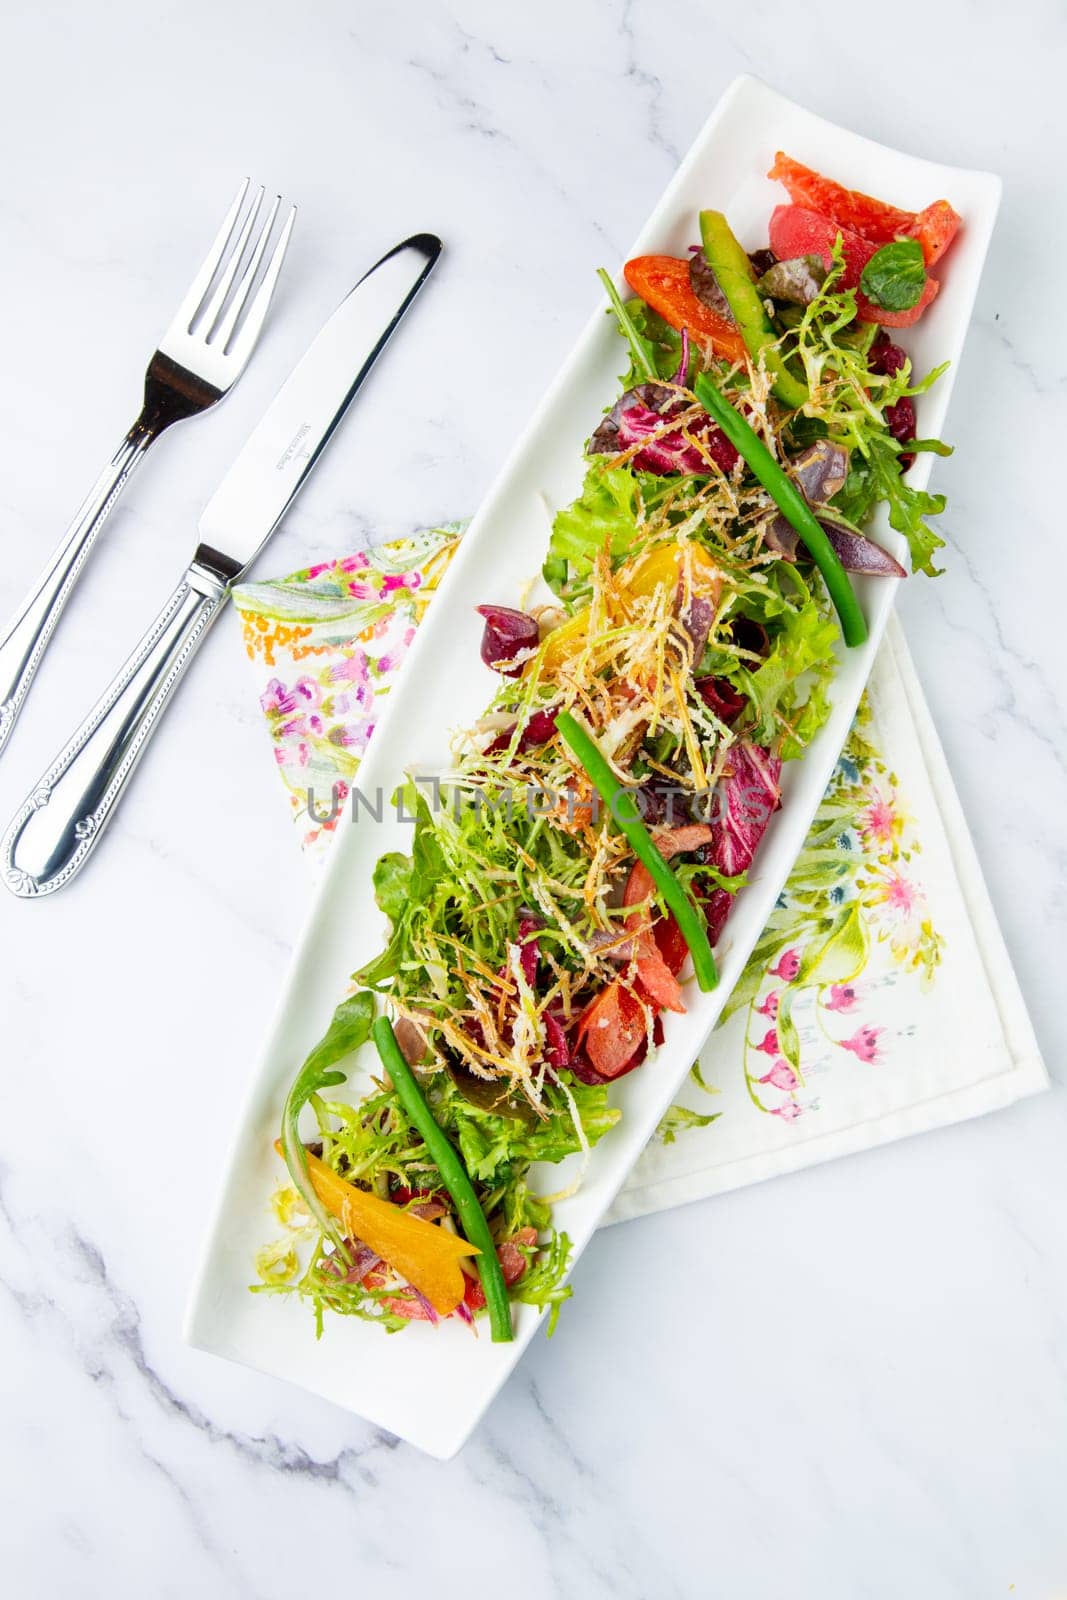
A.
pixel 55 831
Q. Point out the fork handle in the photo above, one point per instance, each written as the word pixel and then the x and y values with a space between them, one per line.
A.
pixel 59 824
pixel 26 636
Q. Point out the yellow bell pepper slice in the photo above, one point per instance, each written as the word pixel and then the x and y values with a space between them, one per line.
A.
pixel 427 1256
pixel 564 641
pixel 662 565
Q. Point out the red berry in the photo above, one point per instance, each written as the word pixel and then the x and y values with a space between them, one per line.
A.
pixel 900 419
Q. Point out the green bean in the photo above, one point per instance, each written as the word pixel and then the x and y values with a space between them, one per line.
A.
pixel 789 500
pixel 733 272
pixel 690 922
pixel 454 1176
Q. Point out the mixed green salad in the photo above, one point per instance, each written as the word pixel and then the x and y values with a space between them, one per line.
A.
pixel 601 817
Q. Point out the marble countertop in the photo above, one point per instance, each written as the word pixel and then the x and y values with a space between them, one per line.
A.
pixel 848 1383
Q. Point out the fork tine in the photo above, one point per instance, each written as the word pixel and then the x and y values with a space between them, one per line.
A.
pixel 199 287
pixel 244 343
pixel 214 308
pixel 224 332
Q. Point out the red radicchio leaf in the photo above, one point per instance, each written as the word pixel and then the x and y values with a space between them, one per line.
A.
pixel 508 639
pixel 683 359
pixel 556 1047
pixel 642 412
pixel 529 957
pixel 716 910
pixel 747 800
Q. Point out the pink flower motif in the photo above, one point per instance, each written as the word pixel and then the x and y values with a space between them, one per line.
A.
pixel 355 563
pixel 308 691
pixel 385 662
pixel 769 1007
pixel 781 1075
pixel 353 669
pixel 297 754
pixel 359 589
pixel 864 1044
pixel 879 820
pixel 400 580
pixel 842 997
pixel 351 736
pixel 788 966
pixel 277 700
pixel 789 1111
pixel 898 893
pixel 769 1043
pixel 319 568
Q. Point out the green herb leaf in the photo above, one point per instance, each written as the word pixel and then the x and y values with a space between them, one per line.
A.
pixel 895 276
pixel 392 883
pixel 349 1029
pixel 639 351
pixel 877 476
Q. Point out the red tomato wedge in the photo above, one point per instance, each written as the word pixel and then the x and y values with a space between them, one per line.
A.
pixel 512 1262
pixel 670 942
pixel 795 231
pixel 612 1029
pixel 880 223
pixel 661 950
pixel 663 283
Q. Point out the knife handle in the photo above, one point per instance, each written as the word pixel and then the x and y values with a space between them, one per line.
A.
pixel 59 824
pixel 25 639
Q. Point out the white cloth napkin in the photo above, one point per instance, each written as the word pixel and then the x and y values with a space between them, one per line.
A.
pixel 942 1045
pixel 881 1000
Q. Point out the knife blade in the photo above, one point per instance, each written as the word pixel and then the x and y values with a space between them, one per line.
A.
pixel 58 826
pixel 275 463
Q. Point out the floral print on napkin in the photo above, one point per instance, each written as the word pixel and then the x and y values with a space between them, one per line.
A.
pixel 328 642
pixel 813 988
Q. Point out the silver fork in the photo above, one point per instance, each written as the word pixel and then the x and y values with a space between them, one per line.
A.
pixel 200 358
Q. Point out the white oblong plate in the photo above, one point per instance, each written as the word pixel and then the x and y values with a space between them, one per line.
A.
pixel 431 1386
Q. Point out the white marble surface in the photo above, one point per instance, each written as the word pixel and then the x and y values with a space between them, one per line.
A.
pixel 845 1384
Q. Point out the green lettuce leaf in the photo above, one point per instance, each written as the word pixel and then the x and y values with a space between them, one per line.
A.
pixel 803 644
pixel 876 475
pixel 605 513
